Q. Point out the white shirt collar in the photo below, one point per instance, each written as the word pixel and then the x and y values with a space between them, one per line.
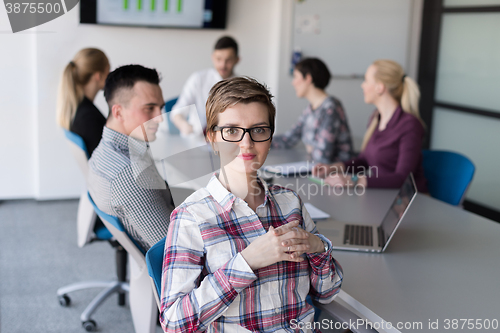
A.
pixel 217 75
pixel 225 198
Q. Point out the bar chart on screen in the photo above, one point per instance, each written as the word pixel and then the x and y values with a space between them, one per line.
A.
pixel 162 5
pixel 175 13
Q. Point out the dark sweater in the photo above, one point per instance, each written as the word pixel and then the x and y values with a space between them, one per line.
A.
pixel 393 153
pixel 88 123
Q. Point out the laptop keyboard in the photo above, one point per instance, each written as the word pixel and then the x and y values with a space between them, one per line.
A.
pixel 358 235
pixel 381 237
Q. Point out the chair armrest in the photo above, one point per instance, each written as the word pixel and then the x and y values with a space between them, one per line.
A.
pixel 155 294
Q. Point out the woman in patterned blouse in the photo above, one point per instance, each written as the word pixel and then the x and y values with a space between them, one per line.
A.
pixel 242 255
pixel 323 125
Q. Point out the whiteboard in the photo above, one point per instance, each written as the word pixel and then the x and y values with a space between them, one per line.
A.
pixel 348 35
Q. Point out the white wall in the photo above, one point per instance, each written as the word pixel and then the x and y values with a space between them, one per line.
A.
pixel 347 90
pixel 36 161
pixel 17 126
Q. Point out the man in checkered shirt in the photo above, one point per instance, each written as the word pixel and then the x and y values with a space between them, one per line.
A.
pixel 123 180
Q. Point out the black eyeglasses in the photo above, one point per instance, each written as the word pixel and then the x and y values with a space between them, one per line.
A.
pixel 236 134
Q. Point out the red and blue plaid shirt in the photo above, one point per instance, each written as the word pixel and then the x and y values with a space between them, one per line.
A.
pixel 208 286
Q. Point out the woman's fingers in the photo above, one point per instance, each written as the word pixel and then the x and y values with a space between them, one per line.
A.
pixel 292 256
pixel 291 241
pixel 335 180
pixel 295 259
pixel 320 170
pixel 296 255
pixel 293 233
pixel 281 230
pixel 268 249
pixel 297 248
pixel 296 241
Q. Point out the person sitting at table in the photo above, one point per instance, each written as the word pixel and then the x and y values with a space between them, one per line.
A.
pixel 195 91
pixel 242 255
pixel 391 147
pixel 323 125
pixel 82 79
pixel 123 180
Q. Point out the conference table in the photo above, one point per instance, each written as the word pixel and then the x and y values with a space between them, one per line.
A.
pixel 440 272
pixel 442 265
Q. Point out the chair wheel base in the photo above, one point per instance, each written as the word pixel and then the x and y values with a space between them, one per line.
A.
pixel 89 325
pixel 121 299
pixel 64 300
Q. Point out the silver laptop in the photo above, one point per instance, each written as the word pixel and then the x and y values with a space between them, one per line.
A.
pixel 373 238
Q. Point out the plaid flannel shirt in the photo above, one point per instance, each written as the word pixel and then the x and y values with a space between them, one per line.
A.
pixel 208 286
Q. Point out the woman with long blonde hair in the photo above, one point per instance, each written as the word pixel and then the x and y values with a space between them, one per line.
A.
pixel 391 146
pixel 82 79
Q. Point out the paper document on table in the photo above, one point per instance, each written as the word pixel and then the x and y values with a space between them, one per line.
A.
pixel 291 169
pixel 316 213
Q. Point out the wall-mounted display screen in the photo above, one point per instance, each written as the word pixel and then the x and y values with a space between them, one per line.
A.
pixel 197 14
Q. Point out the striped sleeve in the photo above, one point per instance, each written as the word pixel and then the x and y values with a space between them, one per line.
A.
pixel 191 298
pixel 326 273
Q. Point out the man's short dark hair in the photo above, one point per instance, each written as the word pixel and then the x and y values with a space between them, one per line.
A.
pixel 317 69
pixel 125 77
pixel 226 42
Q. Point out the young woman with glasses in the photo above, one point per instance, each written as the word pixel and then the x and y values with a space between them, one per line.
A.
pixel 242 255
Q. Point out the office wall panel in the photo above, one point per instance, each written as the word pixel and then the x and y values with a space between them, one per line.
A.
pixel 35 159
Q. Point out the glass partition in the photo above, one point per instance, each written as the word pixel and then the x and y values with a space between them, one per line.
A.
pixel 476 137
pixel 469 61
pixel 470 3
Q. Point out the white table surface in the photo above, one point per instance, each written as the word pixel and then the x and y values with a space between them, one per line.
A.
pixel 442 263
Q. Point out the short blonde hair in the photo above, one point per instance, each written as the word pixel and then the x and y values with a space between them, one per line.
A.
pixel 230 92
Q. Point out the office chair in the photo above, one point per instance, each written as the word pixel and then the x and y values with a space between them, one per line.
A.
pixel 86 214
pixel 448 175
pixel 141 297
pixel 142 302
pixel 154 261
pixel 86 233
pixel 172 129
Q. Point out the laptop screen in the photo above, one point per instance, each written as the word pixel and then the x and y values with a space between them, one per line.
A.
pixel 398 209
